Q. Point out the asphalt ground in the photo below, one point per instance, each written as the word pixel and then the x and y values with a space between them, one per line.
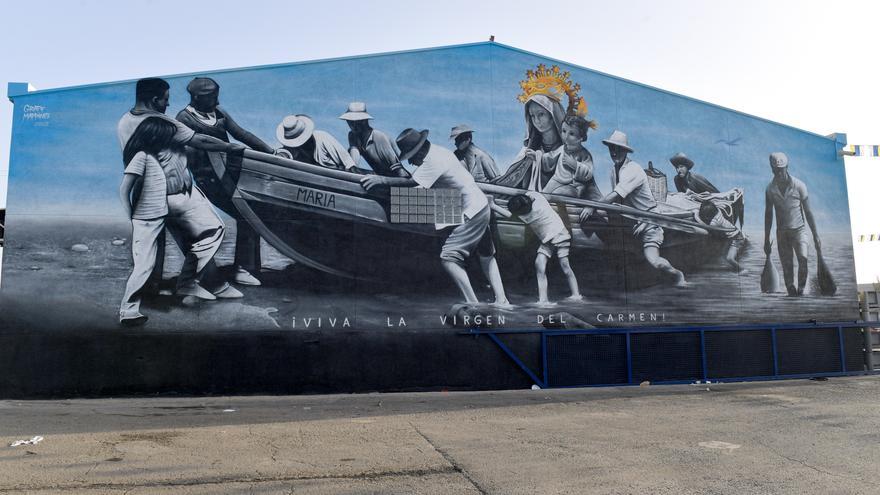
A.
pixel 796 436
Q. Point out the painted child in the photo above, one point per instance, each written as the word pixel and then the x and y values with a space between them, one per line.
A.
pixel 143 196
pixel 535 211
pixel 574 170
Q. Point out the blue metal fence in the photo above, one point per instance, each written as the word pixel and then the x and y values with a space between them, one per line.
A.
pixel 630 356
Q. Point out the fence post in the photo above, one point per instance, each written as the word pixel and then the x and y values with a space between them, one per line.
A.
pixel 629 362
pixel 546 372
pixel 775 358
pixel 703 354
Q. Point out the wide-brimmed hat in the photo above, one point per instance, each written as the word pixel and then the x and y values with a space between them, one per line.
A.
pixel 357 110
pixel 778 159
pixel 681 159
pixel 618 139
pixel 295 130
pixel 202 86
pixel 410 141
pixel 460 129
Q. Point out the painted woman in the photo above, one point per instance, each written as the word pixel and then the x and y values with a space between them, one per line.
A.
pixel 536 162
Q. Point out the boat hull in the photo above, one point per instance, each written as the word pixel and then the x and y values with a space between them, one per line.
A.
pixel 325 219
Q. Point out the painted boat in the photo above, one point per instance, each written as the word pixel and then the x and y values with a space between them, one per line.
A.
pixel 325 219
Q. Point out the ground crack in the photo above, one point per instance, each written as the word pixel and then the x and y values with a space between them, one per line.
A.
pixel 89 471
pixel 814 468
pixel 222 480
pixel 451 461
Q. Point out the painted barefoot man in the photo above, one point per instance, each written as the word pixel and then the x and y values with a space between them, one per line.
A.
pixel 631 188
pixel 437 167
pixel 787 196
pixel 373 145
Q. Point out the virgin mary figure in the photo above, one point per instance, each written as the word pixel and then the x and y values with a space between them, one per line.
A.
pixel 535 163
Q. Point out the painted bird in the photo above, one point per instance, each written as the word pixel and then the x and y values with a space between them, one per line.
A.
pixel 732 142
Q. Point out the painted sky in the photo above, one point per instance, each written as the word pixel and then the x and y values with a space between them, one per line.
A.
pixel 69 163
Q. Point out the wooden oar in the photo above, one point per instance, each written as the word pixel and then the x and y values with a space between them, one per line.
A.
pixel 769 276
pixel 674 224
pixel 827 286
pixel 647 216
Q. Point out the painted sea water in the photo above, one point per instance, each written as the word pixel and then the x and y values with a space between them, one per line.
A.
pixel 41 270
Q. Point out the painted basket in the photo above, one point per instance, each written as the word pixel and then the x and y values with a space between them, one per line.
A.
pixel 657 183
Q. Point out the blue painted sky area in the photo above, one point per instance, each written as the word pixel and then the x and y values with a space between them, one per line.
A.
pixel 70 162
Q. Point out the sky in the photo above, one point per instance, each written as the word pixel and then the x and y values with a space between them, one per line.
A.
pixel 800 63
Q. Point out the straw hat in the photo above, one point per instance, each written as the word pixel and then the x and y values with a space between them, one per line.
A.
pixel 618 139
pixel 460 129
pixel 357 110
pixel 295 130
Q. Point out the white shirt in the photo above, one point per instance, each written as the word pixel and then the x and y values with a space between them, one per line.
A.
pixel 632 186
pixel 153 202
pixel 543 220
pixel 441 169
pixel 330 153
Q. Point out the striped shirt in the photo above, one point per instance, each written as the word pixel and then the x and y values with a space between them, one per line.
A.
pixel 152 201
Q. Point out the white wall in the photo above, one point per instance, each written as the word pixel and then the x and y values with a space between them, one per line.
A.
pixel 863 185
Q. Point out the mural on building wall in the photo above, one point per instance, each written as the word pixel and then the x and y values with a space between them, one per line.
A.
pixel 458 187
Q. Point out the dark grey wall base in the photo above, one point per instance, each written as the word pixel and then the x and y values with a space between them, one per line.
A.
pixel 107 363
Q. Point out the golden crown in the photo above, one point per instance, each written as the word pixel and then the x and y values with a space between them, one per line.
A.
pixel 554 84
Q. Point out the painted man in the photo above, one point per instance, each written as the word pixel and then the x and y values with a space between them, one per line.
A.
pixel 686 180
pixel 300 141
pixel 474 159
pixel 631 188
pixel 191 218
pixel 438 168
pixel 376 148
pixel 205 116
pixel 787 196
